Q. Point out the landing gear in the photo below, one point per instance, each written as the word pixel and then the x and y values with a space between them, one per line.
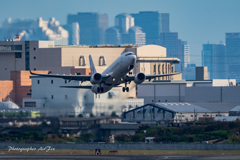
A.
pixel 125 88
pixel 100 89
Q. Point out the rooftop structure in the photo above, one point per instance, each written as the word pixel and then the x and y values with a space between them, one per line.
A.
pixel 154 113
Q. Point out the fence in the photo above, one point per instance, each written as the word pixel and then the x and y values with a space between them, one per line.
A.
pixel 124 146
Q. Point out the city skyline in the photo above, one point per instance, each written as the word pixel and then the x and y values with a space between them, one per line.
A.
pixel 197 22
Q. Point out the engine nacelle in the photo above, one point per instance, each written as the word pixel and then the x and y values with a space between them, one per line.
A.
pixel 139 78
pixel 96 78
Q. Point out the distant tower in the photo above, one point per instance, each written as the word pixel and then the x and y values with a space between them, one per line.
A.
pixel 124 21
pixel 136 36
pixel 214 57
pixel 75 33
pixel 152 23
pixel 233 55
pixel 92 26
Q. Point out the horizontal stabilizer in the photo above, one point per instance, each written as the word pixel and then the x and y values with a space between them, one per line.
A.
pixel 83 87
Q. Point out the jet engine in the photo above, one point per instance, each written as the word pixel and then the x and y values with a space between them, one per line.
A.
pixel 96 78
pixel 139 78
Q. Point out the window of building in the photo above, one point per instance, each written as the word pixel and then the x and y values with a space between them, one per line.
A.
pixel 34 48
pixel 65 81
pixel 154 68
pixel 34 57
pixel 159 69
pixel 38 81
pixel 10 47
pixel 34 69
pixel 51 81
pixel 27 60
pixel 82 61
pixel 30 104
pixel 18 55
pixel 191 115
pixel 102 61
pixel 52 96
pixel 78 73
pixel 163 69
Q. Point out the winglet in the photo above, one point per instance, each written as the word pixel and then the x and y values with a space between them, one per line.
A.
pixel 92 67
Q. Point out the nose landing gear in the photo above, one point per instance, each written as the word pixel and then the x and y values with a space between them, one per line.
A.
pixel 125 88
pixel 100 89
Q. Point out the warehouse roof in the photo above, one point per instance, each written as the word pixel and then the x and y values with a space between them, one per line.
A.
pixel 182 107
pixel 237 109
pixel 216 107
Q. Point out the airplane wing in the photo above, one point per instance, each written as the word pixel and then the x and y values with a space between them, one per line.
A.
pixel 66 77
pixel 149 77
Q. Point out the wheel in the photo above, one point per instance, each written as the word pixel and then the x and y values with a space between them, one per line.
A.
pixel 101 89
pixel 127 89
pixel 98 89
pixel 123 89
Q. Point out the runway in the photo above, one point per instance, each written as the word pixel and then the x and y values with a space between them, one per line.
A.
pixel 119 157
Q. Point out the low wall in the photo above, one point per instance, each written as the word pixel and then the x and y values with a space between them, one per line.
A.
pixel 124 146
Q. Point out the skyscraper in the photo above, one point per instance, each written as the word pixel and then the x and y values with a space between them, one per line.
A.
pixel 124 32
pixel 214 57
pixel 174 47
pixel 92 26
pixel 233 55
pixel 152 23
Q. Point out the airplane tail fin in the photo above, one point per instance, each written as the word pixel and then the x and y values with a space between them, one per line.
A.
pixel 92 67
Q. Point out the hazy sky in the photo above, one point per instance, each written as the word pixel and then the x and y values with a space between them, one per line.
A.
pixel 196 21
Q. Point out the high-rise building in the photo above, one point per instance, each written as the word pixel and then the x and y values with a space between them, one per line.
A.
pixel 152 23
pixel 174 47
pixel 185 58
pixel 92 26
pixel 190 72
pixel 124 32
pixel 124 21
pixel 136 36
pixel 113 36
pixel 75 33
pixel 214 57
pixel 233 55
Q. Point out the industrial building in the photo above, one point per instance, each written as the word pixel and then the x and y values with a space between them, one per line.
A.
pixel 157 113
pixel 51 100
pixel 207 91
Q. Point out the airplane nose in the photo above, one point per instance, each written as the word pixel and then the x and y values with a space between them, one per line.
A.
pixel 132 59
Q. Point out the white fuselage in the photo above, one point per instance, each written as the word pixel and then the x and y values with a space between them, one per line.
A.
pixel 116 71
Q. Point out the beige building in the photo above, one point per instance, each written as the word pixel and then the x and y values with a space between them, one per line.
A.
pixel 43 55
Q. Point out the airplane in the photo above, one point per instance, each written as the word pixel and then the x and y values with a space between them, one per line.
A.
pixel 113 76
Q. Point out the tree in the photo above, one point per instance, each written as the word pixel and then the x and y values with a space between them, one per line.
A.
pixel 80 115
pixel 87 136
pixel 113 114
pixel 92 115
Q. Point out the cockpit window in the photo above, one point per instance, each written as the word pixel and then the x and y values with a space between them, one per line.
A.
pixel 129 54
